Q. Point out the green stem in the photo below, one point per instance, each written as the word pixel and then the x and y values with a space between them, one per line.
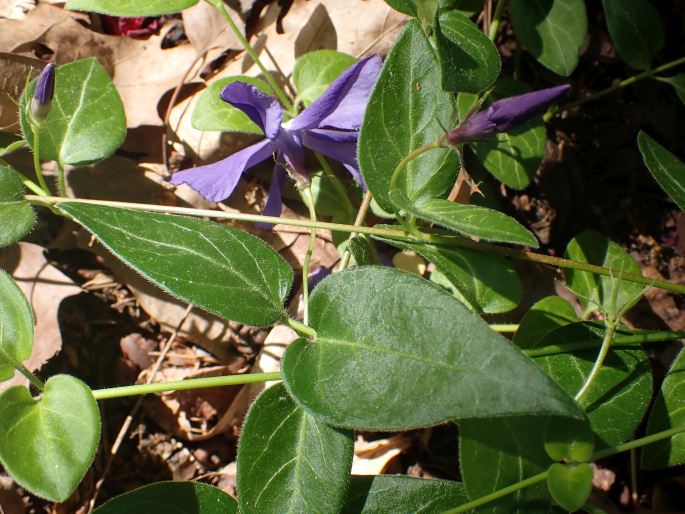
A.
pixel 30 184
pixel 637 443
pixel 61 183
pixel 627 82
pixel 361 214
pixel 309 201
pixel 597 366
pixel 505 327
pixel 278 90
pixel 36 160
pixel 497 19
pixel 37 382
pixel 402 235
pixel 299 327
pixel 184 385
pixel 335 180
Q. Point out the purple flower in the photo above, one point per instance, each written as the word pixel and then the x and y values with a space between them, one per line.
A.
pixel 504 114
pixel 330 126
pixel 42 96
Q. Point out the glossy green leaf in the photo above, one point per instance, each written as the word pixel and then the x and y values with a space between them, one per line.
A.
pixel 488 283
pixel 513 157
pixel 471 220
pixel 130 8
pixel 636 30
pixel 218 268
pixel 423 9
pixel 470 61
pixel 568 439
pixel 381 332
pixel 363 251
pixel 329 200
pixel 212 113
pixel 666 168
pixel 289 461
pixel 47 444
pixel 668 412
pixel 16 326
pixel 545 316
pixel 385 494
pixel 677 82
pixel 570 484
pixel 408 109
pixel 596 293
pixel 171 498
pixel 315 71
pixel 86 122
pixel 16 214
pixel 552 30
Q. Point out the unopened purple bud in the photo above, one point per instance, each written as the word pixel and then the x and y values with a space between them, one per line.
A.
pixel 42 96
pixel 504 114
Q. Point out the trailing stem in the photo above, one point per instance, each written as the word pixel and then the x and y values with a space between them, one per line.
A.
pixel 309 200
pixel 37 382
pixel 361 214
pixel 497 19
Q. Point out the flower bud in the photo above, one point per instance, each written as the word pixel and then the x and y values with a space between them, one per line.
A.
pixel 42 96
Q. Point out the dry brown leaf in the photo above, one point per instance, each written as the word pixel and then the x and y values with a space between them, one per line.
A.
pixel 371 457
pixel 206 29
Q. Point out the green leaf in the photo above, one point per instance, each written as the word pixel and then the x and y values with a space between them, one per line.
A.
pixel 570 440
pixel 545 316
pixel 289 461
pixel 486 282
pixel 570 484
pixel 422 9
pixel 16 214
pixel 471 220
pixel 467 7
pixel 668 412
pixel 315 71
pixel 514 157
pixel 328 199
pixel 470 61
pixel 596 293
pixel 363 252
pixel 552 30
pixel 666 168
pixel 635 29
pixel 47 444
pixel 212 113
pixel 171 498
pixel 130 8
pixel 677 82
pixel 218 268
pixel 16 326
pixel 86 122
pixel 408 109
pixel 11 147
pixel 370 320
pixel 384 494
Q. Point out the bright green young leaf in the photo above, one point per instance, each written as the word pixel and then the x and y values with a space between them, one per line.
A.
pixel 636 30
pixel 596 293
pixel 384 494
pixel 568 439
pixel 130 8
pixel 666 168
pixel 552 30
pixel 470 61
pixel 315 71
pixel 47 444
pixel 218 268
pixel 446 362
pixel 668 412
pixel 289 461
pixel 486 282
pixel 408 109
pixel 16 326
pixel 171 498
pixel 212 113
pixel 545 316
pixel 677 82
pixel 16 214
pixel 570 484
pixel 86 122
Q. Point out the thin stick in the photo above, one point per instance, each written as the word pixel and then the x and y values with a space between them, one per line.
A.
pixel 361 214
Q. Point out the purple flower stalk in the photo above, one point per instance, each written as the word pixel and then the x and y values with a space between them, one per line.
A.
pixel 330 125
pixel 42 96
pixel 505 114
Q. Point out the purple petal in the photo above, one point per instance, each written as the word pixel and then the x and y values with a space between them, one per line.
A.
pixel 291 151
pixel 343 104
pixel 42 96
pixel 317 276
pixel 216 182
pixel 511 111
pixel 474 127
pixel 338 145
pixel 261 108
pixel 274 201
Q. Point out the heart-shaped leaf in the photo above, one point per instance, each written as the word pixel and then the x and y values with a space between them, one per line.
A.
pixel 48 443
pixel 130 8
pixel 395 352
pixel 666 168
pixel 542 318
pixel 289 461
pixel 86 122
pixel 568 439
pixel 570 484
pixel 16 214
pixel 16 326
pixel 218 268
pixel 171 498
pixel 315 71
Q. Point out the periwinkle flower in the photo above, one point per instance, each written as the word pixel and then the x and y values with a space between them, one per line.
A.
pixel 504 114
pixel 330 125
pixel 42 96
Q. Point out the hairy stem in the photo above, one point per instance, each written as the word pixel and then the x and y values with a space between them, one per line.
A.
pixel 309 201
pixel 37 382
pixel 597 366
pixel 361 214
pixel 36 161
pixel 299 327
pixel 497 19
pixel 61 181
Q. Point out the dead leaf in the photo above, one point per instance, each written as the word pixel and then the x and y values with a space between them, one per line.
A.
pixel 206 29
pixel 371 457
